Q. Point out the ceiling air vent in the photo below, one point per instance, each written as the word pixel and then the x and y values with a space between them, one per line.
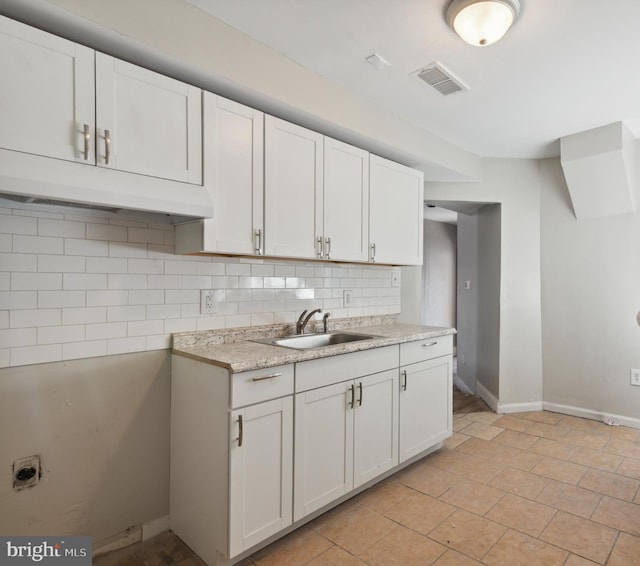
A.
pixel 440 78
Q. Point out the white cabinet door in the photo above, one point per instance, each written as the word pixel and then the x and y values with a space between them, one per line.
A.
pixel 323 447
pixel 395 212
pixel 293 190
pixel 426 405
pixel 346 201
pixel 47 98
pixel 234 145
pixel 147 123
pixel 261 472
pixel 376 426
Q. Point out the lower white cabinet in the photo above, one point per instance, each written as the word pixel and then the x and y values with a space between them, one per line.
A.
pixel 253 453
pixel 260 496
pixel 231 465
pixel 426 395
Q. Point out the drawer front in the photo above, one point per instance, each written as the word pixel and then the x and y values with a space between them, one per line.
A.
pixel 326 371
pixel 421 350
pixel 260 385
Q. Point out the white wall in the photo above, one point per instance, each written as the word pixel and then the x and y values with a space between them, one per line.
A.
pixel 76 284
pixel 467 312
pixel 488 296
pixel 590 298
pixel 439 274
pixel 515 184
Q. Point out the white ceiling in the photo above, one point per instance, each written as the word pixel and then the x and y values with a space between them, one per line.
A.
pixel 566 66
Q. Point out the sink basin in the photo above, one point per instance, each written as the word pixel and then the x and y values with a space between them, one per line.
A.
pixel 310 341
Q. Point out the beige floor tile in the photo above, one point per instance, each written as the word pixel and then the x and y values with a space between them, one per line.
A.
pixel 596 459
pixel 619 515
pixel 496 452
pixel 473 467
pixel 553 432
pixel 626 551
pixel 516 439
pixel 299 547
pixel 610 484
pixel 456 439
pixel 403 547
pixel 468 533
pixel 513 423
pixel 420 512
pixel 623 448
pixel 519 482
pixel 481 430
pixel 454 558
pixel 431 480
pixel 575 560
pixel 336 556
pixel 542 417
pixel 624 433
pixel 589 439
pixel 554 448
pixel 483 417
pixel 518 549
pixel 578 423
pixel 521 514
pixel 629 467
pixel 384 495
pixel 459 422
pixel 580 536
pixel 472 496
pixel 559 470
pixel 357 530
pixel 569 498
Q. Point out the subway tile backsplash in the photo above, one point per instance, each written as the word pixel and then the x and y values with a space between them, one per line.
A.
pixel 76 284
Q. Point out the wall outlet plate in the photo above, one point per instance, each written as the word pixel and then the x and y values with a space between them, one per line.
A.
pixel 26 472
pixel 635 377
pixel 208 303
pixel 347 298
pixel 395 278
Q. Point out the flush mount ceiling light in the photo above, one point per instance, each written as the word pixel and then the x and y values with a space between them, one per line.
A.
pixel 482 22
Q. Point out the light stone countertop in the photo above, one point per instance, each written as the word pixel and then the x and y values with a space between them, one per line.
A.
pixel 245 355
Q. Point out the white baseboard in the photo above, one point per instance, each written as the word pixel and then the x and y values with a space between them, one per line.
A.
pixel 132 535
pixel 487 396
pixel 608 418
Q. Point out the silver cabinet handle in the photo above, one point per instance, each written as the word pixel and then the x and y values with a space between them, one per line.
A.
pixel 107 146
pixel 240 430
pixel 360 399
pixel 353 396
pixel 320 247
pixel 87 139
pixel 404 381
pixel 270 376
pixel 259 241
pixel 426 345
pixel 328 248
pixel 373 253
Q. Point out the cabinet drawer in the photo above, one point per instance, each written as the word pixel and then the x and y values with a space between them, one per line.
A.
pixel 260 385
pixel 412 352
pixel 326 371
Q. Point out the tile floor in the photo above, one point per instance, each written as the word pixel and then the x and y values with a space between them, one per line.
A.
pixel 530 489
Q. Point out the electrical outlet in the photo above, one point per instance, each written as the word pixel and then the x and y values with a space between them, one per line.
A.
pixel 395 278
pixel 208 303
pixel 635 376
pixel 26 472
pixel 347 298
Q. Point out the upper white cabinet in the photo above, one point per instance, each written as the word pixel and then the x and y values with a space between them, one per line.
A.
pixel 147 123
pixel 138 133
pixel 47 99
pixel 345 220
pixel 395 212
pixel 233 169
pixel 293 190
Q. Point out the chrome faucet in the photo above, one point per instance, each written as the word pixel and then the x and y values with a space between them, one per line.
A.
pixel 324 321
pixel 302 321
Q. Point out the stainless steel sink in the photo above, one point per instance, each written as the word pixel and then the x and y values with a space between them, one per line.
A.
pixel 310 341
